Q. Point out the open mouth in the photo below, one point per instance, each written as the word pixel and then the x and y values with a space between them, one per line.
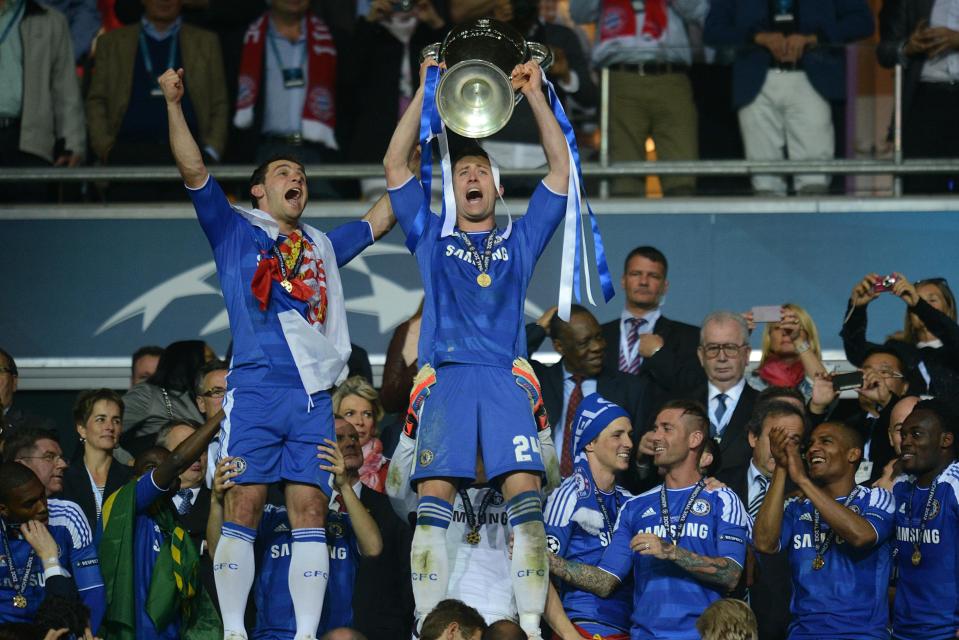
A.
pixel 817 460
pixel 474 195
pixel 293 196
pixel 658 450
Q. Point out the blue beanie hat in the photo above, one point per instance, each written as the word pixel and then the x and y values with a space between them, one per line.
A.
pixel 594 414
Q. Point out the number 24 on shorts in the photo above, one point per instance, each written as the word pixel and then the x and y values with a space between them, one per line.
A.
pixel 522 444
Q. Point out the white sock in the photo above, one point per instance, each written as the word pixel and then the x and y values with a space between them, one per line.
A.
pixel 428 559
pixel 529 568
pixel 309 573
pixel 234 565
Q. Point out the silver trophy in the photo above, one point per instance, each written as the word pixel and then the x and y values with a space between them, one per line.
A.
pixel 475 96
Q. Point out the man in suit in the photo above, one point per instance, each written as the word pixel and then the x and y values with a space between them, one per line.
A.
pixel 790 63
pixel 579 373
pixel 643 342
pixel 921 36
pixel 14 417
pixel 766 578
pixel 724 353
pixel 126 112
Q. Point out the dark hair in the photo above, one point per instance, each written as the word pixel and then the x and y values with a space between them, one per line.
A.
pixel 504 630
pixel 774 409
pixel 11 362
pixel 852 434
pixel 25 438
pixel 150 350
pixel 450 611
pixel 689 408
pixel 208 367
pixel 557 324
pixel 889 350
pixel 650 253
pixel 945 413
pixel 83 405
pixel 13 475
pixel 58 612
pixel 711 446
pixel 178 365
pixel 770 394
pixel 259 174
pixel 467 148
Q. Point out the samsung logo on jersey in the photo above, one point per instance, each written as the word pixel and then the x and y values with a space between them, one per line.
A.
pixel 804 541
pixel 910 534
pixel 691 530
pixel 486 518
pixel 283 551
pixel 455 252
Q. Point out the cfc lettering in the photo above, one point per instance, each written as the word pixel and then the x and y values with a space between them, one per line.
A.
pixel 220 566
pixel 424 576
pixel 525 573
pixel 316 574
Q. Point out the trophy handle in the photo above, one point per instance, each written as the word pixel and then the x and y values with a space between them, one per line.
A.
pixel 431 51
pixel 541 54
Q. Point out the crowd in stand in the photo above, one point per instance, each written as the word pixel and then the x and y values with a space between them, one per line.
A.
pixel 865 544
pixel 328 81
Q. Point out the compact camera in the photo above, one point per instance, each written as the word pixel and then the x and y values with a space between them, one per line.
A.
pixel 884 284
pixel 403 6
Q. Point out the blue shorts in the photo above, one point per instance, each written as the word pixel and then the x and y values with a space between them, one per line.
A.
pixel 473 405
pixel 275 432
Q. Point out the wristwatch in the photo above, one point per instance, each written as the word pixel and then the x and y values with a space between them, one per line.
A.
pixel 802 347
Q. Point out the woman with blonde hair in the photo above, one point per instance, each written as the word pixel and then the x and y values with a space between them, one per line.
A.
pixel 357 402
pixel 728 619
pixel 791 353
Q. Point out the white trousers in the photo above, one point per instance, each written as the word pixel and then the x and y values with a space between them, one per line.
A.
pixel 788 114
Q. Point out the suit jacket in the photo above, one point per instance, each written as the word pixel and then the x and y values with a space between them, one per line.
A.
pixel 668 373
pixel 383 594
pixel 734 23
pixel 76 486
pixel 195 524
pixel 625 390
pixel 768 577
pixel 734 447
pixel 897 20
pixel 112 82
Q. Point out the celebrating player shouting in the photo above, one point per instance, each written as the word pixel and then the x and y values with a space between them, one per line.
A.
pixel 471 337
pixel 281 284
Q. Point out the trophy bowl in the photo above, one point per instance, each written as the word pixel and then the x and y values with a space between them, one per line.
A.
pixel 475 96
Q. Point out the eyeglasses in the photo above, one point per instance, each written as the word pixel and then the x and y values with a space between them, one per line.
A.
pixel 47 457
pixel 884 373
pixel 215 392
pixel 712 350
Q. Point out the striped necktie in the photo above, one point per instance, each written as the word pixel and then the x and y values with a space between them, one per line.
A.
pixel 757 500
pixel 720 412
pixel 633 326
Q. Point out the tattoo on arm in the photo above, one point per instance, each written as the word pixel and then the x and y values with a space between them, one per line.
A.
pixel 721 572
pixel 583 576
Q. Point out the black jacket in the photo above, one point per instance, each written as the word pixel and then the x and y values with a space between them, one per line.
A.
pixel 77 487
pixel 734 447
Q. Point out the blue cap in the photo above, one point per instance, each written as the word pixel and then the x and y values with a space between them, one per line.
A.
pixel 594 414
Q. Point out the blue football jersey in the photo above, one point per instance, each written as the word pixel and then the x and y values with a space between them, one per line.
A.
pixel 462 321
pixel 927 595
pixel 21 551
pixel 85 563
pixel 261 355
pixel 147 541
pixel 576 530
pixel 667 600
pixel 847 597
pixel 275 618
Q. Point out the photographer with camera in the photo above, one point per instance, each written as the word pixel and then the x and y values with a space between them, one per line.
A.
pixel 929 341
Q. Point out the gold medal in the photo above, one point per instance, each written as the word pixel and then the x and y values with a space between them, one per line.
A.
pixel 19 601
pixel 818 563
pixel 473 538
pixel 286 284
pixel 916 557
pixel 484 280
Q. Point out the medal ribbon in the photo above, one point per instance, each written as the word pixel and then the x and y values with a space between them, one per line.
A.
pixel 19 584
pixel 482 262
pixel 926 512
pixel 664 510
pixel 607 522
pixel 274 268
pixel 472 517
pixel 822 542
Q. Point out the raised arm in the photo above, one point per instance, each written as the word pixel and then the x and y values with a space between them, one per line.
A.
pixel 527 78
pixel 187 452
pixel 769 521
pixel 368 537
pixel 380 216
pixel 185 150
pixel 406 135
pixel 583 576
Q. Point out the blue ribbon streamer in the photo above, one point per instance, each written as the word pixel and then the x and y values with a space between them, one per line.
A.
pixel 430 125
pixel 602 267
